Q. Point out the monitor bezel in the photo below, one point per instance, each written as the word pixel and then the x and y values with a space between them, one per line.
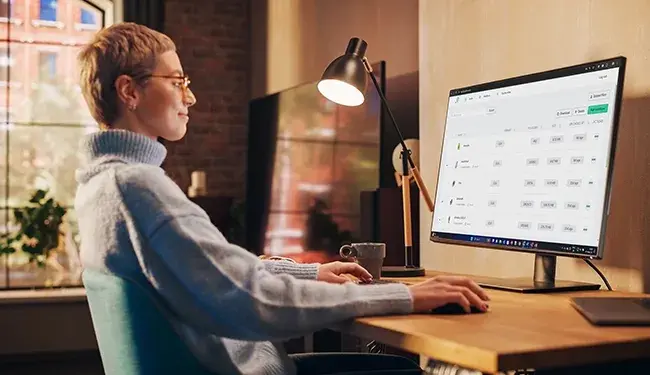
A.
pixel 620 62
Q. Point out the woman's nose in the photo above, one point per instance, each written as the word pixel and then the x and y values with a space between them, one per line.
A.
pixel 189 99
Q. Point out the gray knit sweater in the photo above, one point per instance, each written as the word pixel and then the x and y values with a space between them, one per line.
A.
pixel 233 310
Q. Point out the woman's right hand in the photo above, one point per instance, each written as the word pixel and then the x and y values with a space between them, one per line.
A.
pixel 441 290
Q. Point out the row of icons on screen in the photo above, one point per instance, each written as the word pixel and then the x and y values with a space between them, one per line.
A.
pixel 498 241
pixel 600 66
pixel 576 249
pixel 529 244
pixel 588 68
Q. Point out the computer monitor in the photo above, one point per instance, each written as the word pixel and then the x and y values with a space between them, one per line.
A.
pixel 308 162
pixel 526 166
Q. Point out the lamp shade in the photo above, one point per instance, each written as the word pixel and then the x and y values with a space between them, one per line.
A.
pixel 344 79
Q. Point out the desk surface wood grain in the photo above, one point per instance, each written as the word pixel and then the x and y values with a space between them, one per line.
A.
pixel 520 331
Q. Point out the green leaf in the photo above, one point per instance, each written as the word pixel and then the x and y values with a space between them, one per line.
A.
pixel 30 231
pixel 7 250
pixel 40 223
pixel 38 196
pixel 35 250
pixel 60 211
pixel 19 215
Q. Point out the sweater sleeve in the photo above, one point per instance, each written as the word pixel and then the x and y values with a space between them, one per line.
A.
pixel 298 270
pixel 226 290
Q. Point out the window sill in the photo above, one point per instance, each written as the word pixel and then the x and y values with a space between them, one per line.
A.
pixel 13 297
pixel 15 21
pixel 12 84
pixel 85 27
pixel 45 23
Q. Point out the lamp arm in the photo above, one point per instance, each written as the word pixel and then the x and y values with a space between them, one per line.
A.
pixel 366 64
pixel 422 187
pixel 416 172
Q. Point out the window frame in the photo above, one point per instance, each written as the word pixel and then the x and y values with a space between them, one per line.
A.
pixel 47 5
pixel 110 12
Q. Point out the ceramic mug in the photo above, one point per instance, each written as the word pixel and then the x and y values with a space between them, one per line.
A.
pixel 369 255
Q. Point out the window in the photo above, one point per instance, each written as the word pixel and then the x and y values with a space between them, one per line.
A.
pixel 4 8
pixel 46 66
pixel 5 63
pixel 87 17
pixel 48 10
pixel 42 118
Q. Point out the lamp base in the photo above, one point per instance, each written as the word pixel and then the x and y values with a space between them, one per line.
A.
pixel 402 271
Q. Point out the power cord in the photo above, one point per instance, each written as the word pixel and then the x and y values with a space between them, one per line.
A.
pixel 609 287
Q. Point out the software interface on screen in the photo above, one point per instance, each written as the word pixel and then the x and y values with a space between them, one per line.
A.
pixel 526 165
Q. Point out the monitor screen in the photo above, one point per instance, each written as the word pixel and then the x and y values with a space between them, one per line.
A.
pixel 309 160
pixel 526 161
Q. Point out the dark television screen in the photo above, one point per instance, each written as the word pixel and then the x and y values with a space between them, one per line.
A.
pixel 308 161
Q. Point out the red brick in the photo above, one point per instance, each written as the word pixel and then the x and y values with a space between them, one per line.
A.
pixel 213 40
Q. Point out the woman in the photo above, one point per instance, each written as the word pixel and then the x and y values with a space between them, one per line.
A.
pixel 135 222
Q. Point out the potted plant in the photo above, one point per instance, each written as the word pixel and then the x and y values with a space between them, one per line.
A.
pixel 38 231
pixel 323 233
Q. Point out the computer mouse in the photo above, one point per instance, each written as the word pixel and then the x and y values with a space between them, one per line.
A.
pixel 454 309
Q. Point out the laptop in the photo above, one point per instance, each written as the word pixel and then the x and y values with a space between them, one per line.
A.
pixel 610 311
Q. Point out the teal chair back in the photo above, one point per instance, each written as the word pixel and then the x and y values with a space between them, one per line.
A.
pixel 133 335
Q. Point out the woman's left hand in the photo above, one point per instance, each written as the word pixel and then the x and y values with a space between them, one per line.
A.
pixel 332 272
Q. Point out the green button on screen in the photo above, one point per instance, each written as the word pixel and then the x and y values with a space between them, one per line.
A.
pixel 600 108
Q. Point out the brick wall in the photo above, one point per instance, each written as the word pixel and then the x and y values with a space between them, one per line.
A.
pixel 213 40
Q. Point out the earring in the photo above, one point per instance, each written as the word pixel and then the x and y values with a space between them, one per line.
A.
pixel 132 107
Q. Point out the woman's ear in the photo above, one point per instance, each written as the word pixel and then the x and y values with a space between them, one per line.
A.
pixel 127 91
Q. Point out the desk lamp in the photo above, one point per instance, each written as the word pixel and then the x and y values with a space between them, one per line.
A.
pixel 344 82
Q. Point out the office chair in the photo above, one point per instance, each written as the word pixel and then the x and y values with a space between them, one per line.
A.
pixel 133 335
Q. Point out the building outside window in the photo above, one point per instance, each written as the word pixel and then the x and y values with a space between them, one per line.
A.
pixel 87 17
pixel 42 118
pixel 4 8
pixel 5 63
pixel 48 10
pixel 46 67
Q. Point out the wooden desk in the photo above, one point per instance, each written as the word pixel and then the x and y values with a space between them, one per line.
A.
pixel 520 331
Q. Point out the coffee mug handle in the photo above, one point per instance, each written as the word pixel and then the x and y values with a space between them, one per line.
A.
pixel 348 251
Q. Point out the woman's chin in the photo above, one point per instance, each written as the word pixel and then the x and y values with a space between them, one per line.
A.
pixel 176 134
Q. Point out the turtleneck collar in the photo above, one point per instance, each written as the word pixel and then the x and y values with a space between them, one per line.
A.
pixel 123 144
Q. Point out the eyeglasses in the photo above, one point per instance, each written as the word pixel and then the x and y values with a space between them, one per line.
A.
pixel 185 84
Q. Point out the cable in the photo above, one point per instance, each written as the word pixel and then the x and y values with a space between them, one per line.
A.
pixel 609 287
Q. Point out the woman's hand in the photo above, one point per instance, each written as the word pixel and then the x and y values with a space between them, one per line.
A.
pixel 331 272
pixel 442 290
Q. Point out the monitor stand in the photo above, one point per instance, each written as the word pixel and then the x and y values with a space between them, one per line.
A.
pixel 543 280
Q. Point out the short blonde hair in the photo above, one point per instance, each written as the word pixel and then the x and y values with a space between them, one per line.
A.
pixel 124 48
